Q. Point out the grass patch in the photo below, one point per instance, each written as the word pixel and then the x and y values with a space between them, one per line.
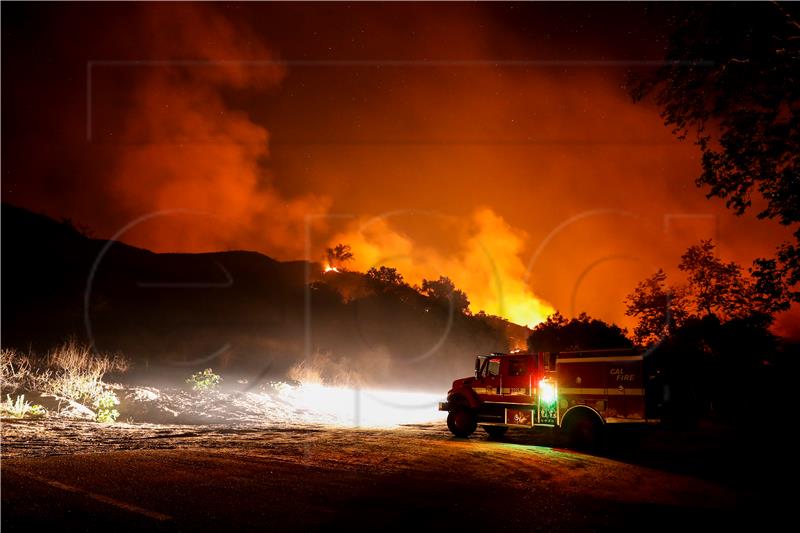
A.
pixel 70 371
pixel 20 408
pixel 204 381
pixel 105 408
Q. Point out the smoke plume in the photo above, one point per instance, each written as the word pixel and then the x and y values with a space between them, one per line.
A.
pixel 179 147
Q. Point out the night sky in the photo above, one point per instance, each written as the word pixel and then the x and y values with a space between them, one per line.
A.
pixel 495 144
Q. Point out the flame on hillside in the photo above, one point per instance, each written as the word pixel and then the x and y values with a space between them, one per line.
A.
pixel 487 265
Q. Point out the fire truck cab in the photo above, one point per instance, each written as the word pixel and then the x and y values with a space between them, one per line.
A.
pixel 578 392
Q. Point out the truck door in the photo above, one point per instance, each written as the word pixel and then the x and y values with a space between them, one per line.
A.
pixel 625 390
pixel 517 375
pixel 492 379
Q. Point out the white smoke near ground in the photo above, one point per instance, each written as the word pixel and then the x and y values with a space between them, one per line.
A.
pixel 323 369
pixel 338 394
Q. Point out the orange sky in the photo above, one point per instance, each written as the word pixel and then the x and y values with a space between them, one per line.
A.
pixel 466 138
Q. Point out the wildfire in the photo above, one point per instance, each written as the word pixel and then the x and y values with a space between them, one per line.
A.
pixel 329 268
pixel 487 264
pixel 351 406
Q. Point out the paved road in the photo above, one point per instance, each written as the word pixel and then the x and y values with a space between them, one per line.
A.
pixel 262 479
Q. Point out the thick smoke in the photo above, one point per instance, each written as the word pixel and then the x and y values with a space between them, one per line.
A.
pixel 178 143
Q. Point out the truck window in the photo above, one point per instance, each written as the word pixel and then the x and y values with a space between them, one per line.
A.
pixel 517 368
pixel 493 368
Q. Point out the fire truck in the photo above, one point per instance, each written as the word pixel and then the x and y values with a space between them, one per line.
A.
pixel 577 392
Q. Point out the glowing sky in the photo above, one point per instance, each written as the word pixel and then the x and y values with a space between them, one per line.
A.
pixel 494 144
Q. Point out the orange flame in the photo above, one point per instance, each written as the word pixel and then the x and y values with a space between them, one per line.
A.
pixel 487 264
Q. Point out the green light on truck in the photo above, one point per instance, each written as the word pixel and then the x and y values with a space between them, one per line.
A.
pixel 547 392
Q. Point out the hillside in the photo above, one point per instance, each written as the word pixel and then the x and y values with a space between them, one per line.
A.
pixel 235 310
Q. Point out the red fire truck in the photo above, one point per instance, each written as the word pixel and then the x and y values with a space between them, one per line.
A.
pixel 578 392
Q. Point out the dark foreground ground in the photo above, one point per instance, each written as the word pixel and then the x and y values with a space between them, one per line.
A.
pixel 83 477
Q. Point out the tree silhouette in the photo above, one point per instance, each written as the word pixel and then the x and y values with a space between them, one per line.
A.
pixel 385 276
pixel 716 287
pixel 557 334
pixel 339 255
pixel 730 76
pixel 444 292
pixel 660 309
pixel 772 289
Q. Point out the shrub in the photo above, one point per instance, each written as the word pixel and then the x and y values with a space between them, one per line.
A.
pixel 105 405
pixel 15 369
pixel 203 381
pixel 75 372
pixel 70 371
pixel 20 408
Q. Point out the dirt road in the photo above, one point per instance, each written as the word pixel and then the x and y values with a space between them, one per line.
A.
pixel 81 476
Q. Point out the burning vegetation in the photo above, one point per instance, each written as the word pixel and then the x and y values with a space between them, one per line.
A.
pixel 485 261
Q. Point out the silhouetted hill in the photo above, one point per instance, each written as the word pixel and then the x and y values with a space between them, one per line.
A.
pixel 234 309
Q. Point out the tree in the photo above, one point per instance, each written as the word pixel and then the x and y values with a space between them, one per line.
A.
pixel 772 285
pixel 557 334
pixel 660 309
pixel 716 287
pixel 730 76
pixel 445 293
pixel 385 276
pixel 547 335
pixel 339 255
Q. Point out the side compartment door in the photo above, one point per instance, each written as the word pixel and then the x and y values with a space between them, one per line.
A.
pixel 517 384
pixel 625 386
pixel 583 382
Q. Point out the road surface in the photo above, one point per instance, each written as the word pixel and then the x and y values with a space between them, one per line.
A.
pixel 85 477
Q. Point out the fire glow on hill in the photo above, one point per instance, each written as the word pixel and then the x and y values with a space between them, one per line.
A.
pixel 487 262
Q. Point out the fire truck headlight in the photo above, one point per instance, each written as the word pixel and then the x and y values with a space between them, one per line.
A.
pixel 547 392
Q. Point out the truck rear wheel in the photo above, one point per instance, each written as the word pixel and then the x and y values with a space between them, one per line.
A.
pixel 495 432
pixel 462 422
pixel 584 431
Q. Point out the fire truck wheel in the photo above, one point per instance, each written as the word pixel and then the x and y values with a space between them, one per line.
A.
pixel 495 432
pixel 584 431
pixel 462 422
